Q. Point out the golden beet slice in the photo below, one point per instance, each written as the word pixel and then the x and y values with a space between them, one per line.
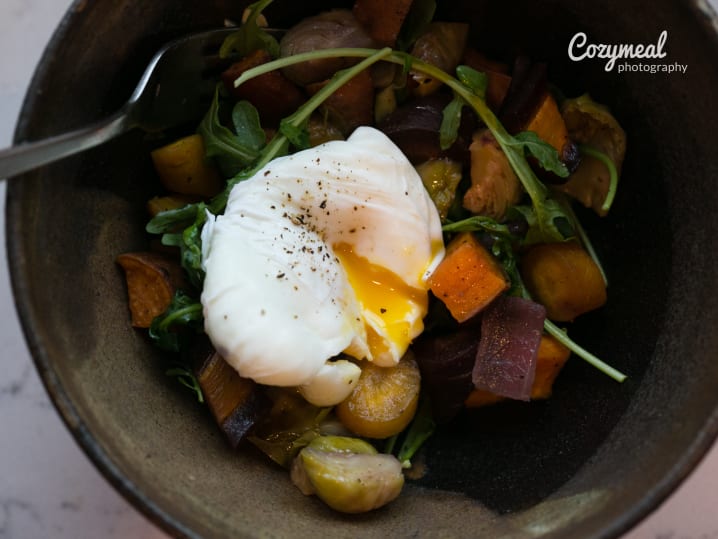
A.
pixel 384 400
pixel 152 279
pixel 183 168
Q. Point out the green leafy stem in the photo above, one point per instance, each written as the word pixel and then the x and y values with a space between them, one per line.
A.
pixel 471 89
pixel 612 172
pixel 190 219
pixel 290 127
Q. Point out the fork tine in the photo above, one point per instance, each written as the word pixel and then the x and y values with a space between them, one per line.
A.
pixel 176 87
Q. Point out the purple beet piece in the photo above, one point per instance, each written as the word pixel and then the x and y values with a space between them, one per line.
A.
pixel 446 362
pixel 511 331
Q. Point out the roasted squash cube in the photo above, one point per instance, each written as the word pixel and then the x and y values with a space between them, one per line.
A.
pixel 563 278
pixel 468 278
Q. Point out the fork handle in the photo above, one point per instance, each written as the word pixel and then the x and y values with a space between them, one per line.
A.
pixel 29 155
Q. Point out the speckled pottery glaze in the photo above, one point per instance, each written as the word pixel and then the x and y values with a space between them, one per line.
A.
pixel 590 462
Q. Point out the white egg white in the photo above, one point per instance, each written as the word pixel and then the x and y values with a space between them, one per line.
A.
pixel 278 304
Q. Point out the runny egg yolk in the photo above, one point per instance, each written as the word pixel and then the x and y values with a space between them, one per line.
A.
pixel 387 302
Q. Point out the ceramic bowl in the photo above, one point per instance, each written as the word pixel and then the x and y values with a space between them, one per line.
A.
pixel 590 462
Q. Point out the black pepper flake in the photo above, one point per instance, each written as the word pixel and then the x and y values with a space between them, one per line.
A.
pixel 281 275
pixel 323 204
pixel 382 310
pixel 267 173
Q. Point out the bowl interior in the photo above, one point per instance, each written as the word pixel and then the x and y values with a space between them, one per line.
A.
pixel 590 461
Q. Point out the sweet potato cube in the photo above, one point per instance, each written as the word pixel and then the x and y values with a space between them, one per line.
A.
pixel 382 19
pixel 469 277
pixel 351 105
pixel 564 279
pixel 152 279
pixel 497 74
pixel 183 168
pixel 552 356
pixel 549 125
pixel 273 95
pixel 480 397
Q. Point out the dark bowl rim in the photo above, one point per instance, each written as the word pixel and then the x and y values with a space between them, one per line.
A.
pixel 705 16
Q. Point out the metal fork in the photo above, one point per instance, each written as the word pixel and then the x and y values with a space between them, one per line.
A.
pixel 175 88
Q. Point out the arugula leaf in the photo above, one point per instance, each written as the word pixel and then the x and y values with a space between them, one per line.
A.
pixel 247 126
pixel 476 81
pixel 562 337
pixel 233 151
pixel 183 312
pixel 420 430
pixel 250 36
pixel 555 217
pixel 191 249
pixel 172 220
pixel 545 154
pixel 417 20
pixel 297 134
pixel 450 122
pixel 189 242
pixel 477 223
pixel 187 378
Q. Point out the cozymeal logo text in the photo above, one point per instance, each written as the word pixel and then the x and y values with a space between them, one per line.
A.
pixel 580 48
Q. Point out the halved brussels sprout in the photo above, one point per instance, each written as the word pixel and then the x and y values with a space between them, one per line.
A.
pixel 347 474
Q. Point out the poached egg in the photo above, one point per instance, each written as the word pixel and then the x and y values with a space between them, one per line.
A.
pixel 321 253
